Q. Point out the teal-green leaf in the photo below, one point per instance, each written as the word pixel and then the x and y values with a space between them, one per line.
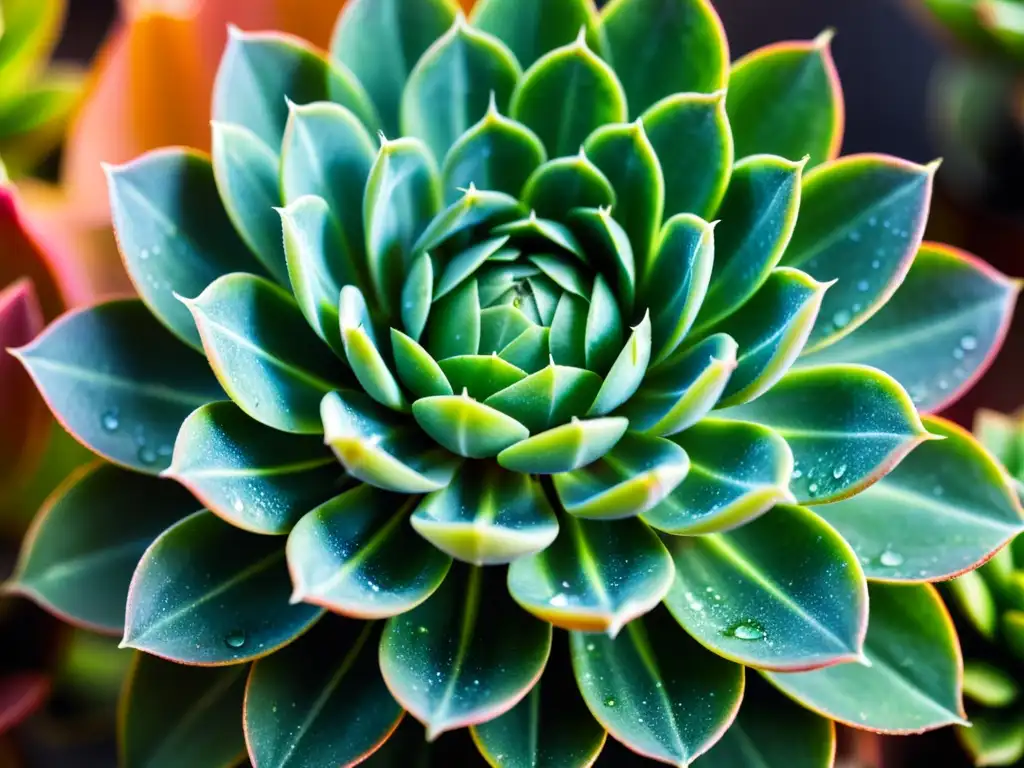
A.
pixel 383 448
pixel 357 555
pixel 455 322
pixel 568 325
pixel 402 195
pixel 365 358
pixel 119 382
pixel 584 87
pixel 497 153
pixel 686 247
pixel 380 41
pixel 564 448
pixel 532 28
pixel 770 331
pixel 537 234
pixel 604 331
pixel 989 685
pixel 261 71
pixel 692 138
pixel 254 477
pixel 416 369
pixel 246 171
pixel 607 247
pixel 475 211
pixel 847 425
pixel 417 295
pixel 914 681
pixel 597 576
pixel 480 375
pixel 680 392
pixel 263 352
pixel 449 88
pixel 945 508
pixel 651 687
pixel 321 700
pixel 464 265
pixel 208 593
pixel 758 216
pixel 564 183
pixel 938 332
pixel 785 99
pixel 78 557
pixel 627 372
pixel 630 479
pixel 176 714
pixel 738 471
pixel 743 596
pixel 664 47
pixel 971 595
pixel 628 160
pixel 173 233
pixel 467 427
pixel 466 655
pixel 530 350
pixel 548 398
pixel 564 273
pixel 993 738
pixel 500 326
pixel 861 222
pixel 487 516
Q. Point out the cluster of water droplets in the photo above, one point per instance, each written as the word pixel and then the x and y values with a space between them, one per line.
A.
pixel 148 454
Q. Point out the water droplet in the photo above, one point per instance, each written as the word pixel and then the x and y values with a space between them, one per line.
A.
pixel 969 342
pixel 873 221
pixel 590 647
pixel 156 250
pixel 958 353
pixel 422 630
pixel 797 474
pixel 938 490
pixel 891 559
pixel 235 639
pixel 559 600
pixel 943 384
pixel 812 488
pixel 876 264
pixel 841 318
pixel 565 585
pixel 839 471
pixel 863 285
pixel 855 236
pixel 144 254
pixel 609 702
pixel 239 505
pixel 746 630
pixel 110 421
pixel 147 455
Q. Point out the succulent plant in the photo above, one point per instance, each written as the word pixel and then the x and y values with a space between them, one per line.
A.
pixel 990 602
pixel 596 353
pixel 994 28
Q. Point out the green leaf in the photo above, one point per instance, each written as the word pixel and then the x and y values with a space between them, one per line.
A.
pixel 465 656
pixel 475 211
pixel 500 326
pixel 339 710
pixel 633 477
pixel 738 471
pixel 973 598
pixel 568 339
pixel 686 246
pixel 173 233
pixel 913 681
pixel 596 577
pixel 365 359
pixel 758 216
pixel 785 99
pixel 1000 435
pixel 535 234
pixel 770 330
pixel 246 171
pixel 264 353
pixel 487 516
pixel 994 738
pixel 532 28
pixel 548 398
pixel 989 685
pixel 497 153
pixel 627 373
pixel 530 350
pixel 254 477
pixel 746 598
pixel 467 427
pixel 945 509
pixel 380 41
pixel 417 295
pixel 402 195
pixel 480 375
pixel 680 392
pixel 848 425
pixel 416 369
pixel 603 335
pixel 560 185
pixel 261 71
pixel 449 88
pixel 174 714
pixel 464 265
pixel 564 448
pixel 861 221
pixel 564 273
pixel 691 136
pixel 207 593
pixel 940 330
pixel 382 448
pixel 607 247
pixel 582 84
pixel 119 382
pixel 550 728
pixel 651 688
pixel 78 557
pixel 628 160
pixel 356 555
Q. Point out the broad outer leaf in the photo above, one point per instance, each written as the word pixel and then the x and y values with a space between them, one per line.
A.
pixel 209 594
pixel 321 700
pixel 532 28
pixel 358 556
pixel 78 557
pixel 914 678
pixel 252 476
pixel 651 688
pixel 119 382
pixel 465 656
pixel 785 99
pixel 944 510
pixel 175 714
pixel 939 332
pixel 596 577
pixel 747 597
pixel 847 425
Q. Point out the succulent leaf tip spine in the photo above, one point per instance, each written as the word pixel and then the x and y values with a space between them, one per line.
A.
pixel 824 38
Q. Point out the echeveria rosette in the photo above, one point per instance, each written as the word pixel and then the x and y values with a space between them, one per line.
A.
pixel 526 325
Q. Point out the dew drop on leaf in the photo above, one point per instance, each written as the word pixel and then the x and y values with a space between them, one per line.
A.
pixel 147 455
pixel 746 630
pixel 110 421
pixel 841 318
pixel 235 639
pixel 839 471
pixel 969 342
pixel 609 702
pixel 890 559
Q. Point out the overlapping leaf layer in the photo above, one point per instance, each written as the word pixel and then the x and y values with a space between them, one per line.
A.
pixel 567 364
